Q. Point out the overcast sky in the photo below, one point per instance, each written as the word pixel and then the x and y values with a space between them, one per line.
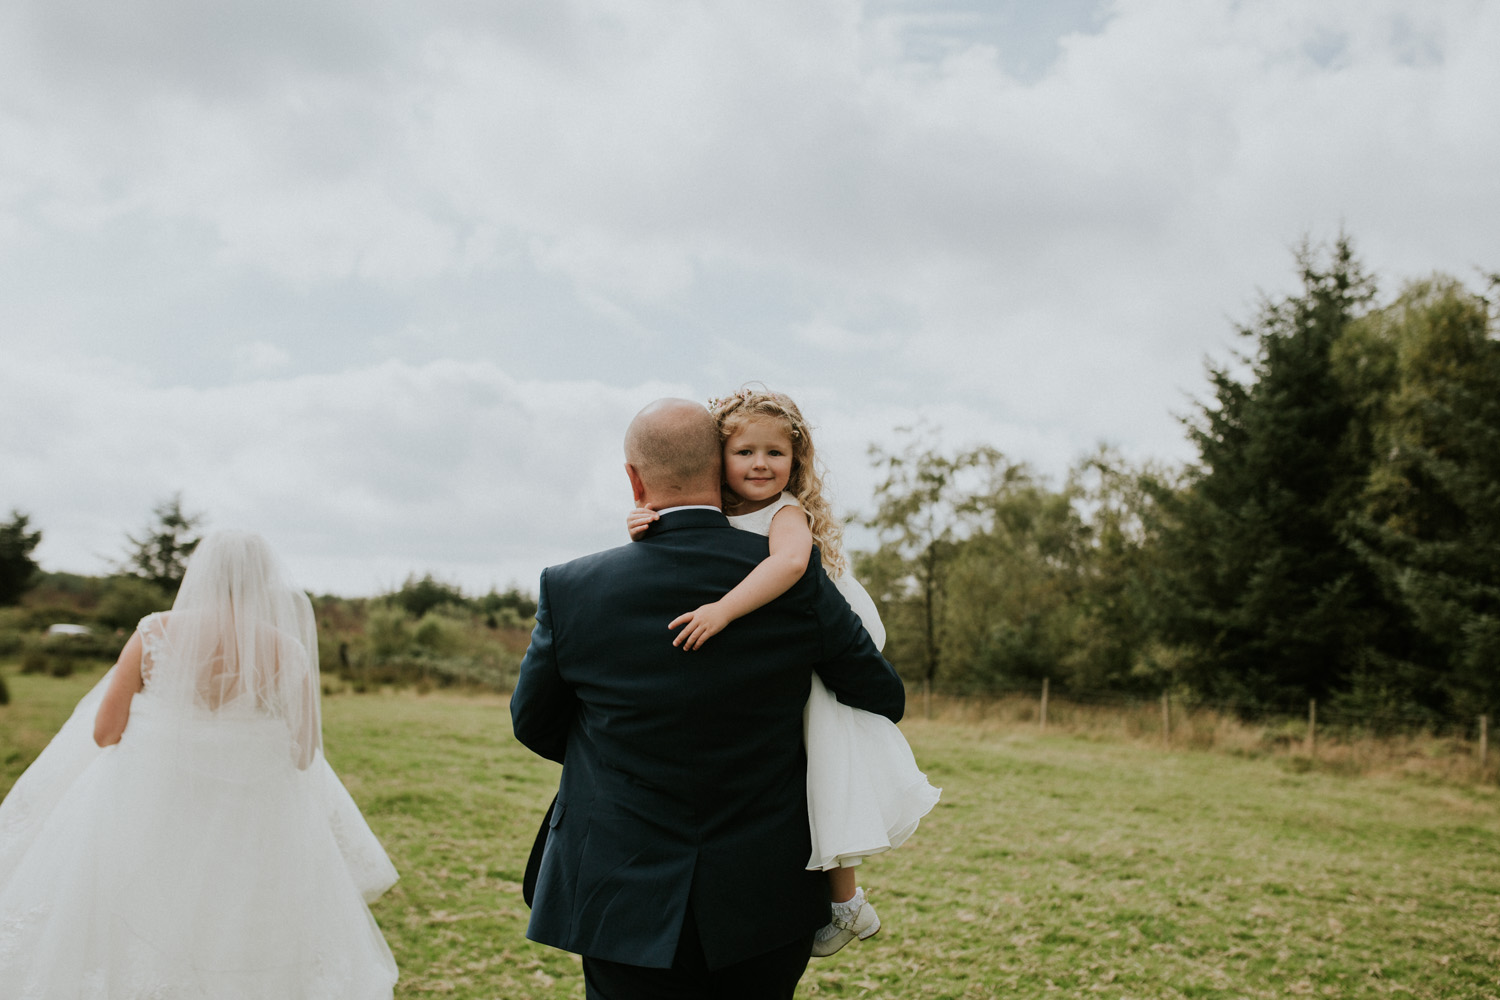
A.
pixel 386 281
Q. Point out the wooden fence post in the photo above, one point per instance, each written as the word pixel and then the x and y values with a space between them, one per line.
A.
pixel 1046 681
pixel 1484 744
pixel 1166 718
pixel 1312 727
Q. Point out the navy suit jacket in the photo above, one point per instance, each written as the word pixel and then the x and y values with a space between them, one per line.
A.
pixel 684 775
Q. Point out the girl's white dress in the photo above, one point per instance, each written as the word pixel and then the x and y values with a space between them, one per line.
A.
pixel 865 794
pixel 190 861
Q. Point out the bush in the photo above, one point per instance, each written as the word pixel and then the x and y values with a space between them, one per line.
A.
pixel 127 600
pixel 104 646
pixel 386 630
pixel 438 635
pixel 417 597
pixel 522 606
pixel 33 661
pixel 36 617
pixel 4 692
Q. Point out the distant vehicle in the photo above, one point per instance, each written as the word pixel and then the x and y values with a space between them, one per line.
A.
pixel 74 630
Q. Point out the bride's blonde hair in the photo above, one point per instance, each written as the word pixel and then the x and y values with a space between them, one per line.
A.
pixel 806 482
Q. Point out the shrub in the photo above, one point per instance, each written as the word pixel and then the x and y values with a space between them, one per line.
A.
pixel 417 597
pixel 386 630
pixel 4 692
pixel 127 600
pixel 104 646
pixel 438 635
pixel 33 661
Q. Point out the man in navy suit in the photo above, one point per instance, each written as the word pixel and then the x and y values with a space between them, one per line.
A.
pixel 675 859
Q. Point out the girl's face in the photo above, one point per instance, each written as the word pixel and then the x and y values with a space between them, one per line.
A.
pixel 758 459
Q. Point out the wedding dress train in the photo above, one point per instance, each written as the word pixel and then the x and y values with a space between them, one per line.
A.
pixel 211 854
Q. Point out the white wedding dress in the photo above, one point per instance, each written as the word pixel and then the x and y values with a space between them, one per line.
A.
pixel 193 860
pixel 865 793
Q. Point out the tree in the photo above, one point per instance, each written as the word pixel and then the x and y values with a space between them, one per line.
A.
pixel 17 569
pixel 1427 369
pixel 922 512
pixel 417 597
pixel 1114 645
pixel 160 554
pixel 1012 612
pixel 1258 586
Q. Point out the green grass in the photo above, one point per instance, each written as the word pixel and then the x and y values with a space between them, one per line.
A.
pixel 1054 865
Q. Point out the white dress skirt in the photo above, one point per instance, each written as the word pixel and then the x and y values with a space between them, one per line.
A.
pixel 865 793
pixel 190 861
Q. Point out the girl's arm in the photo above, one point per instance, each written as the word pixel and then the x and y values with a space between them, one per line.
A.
pixel 114 710
pixel 791 547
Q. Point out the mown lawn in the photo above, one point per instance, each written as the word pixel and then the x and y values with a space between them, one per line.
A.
pixel 1054 865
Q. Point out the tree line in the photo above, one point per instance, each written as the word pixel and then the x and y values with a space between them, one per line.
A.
pixel 1337 537
pixel 426 632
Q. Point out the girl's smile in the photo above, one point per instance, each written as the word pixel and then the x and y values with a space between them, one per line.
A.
pixel 758 461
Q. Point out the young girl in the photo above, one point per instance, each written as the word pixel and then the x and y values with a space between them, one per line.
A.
pixel 865 794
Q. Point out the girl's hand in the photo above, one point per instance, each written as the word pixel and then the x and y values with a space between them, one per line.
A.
pixel 638 520
pixel 699 625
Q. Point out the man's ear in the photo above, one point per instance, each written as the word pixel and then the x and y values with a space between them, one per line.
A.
pixel 637 488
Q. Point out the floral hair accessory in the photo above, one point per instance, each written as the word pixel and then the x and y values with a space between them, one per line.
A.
pixel 756 400
pixel 718 404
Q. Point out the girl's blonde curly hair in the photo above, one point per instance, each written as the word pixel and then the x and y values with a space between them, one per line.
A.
pixel 806 482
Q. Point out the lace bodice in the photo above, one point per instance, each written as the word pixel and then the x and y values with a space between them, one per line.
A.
pixel 153 637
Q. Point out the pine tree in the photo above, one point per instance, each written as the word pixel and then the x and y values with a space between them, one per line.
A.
pixel 160 554
pixel 17 568
pixel 1265 600
pixel 1429 518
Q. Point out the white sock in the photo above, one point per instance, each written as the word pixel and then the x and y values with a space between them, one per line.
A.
pixel 850 906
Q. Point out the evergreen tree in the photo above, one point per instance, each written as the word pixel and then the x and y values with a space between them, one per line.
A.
pixel 1266 601
pixel 160 554
pixel 1429 518
pixel 17 569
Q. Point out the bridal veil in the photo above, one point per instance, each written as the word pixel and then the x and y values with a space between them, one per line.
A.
pixel 239 643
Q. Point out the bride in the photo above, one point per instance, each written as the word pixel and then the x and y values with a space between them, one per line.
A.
pixel 207 851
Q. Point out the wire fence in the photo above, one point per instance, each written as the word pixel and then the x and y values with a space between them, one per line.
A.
pixel 1334 715
pixel 1455 744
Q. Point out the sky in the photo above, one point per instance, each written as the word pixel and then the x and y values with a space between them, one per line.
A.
pixel 386 281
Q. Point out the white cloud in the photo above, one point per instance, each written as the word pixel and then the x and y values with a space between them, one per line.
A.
pixel 259 358
pixel 334 265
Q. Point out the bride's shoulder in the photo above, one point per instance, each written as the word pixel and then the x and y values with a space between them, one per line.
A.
pixel 154 622
pixel 153 629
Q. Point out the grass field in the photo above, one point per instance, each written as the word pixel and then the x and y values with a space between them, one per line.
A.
pixel 1055 865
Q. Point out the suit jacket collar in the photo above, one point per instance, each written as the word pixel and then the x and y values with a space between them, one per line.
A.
pixel 687 519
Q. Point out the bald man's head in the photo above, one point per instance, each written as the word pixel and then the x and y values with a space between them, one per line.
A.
pixel 673 447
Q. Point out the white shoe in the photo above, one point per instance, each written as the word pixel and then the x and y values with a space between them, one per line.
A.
pixel 852 919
